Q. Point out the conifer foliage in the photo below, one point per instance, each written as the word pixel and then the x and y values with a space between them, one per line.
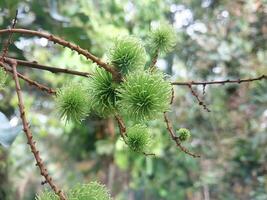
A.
pixel 138 138
pixel 123 87
pixel 90 191
pixel 127 54
pixel 72 102
pixel 144 95
pixel 162 38
pixel 128 86
pixel 140 95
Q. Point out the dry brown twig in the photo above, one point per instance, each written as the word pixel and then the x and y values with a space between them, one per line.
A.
pixel 28 80
pixel 122 127
pixel 8 42
pixel 154 59
pixel 31 142
pixel 189 84
pixel 227 81
pixel 9 69
pixel 176 139
pixel 172 133
pixel 64 43
pixel 55 70
pixel 200 102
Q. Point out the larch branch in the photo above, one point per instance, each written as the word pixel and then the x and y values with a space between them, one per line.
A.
pixel 176 139
pixel 200 102
pixel 238 81
pixel 35 65
pixel 29 81
pixel 8 42
pixel 65 43
pixel 31 142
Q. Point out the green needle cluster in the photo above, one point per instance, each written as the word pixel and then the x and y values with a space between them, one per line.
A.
pixel 140 95
pixel 102 91
pixel 127 54
pixel 163 38
pixel 90 191
pixel 144 95
pixel 138 138
pixel 72 102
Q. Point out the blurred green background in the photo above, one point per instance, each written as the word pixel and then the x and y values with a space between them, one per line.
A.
pixel 217 39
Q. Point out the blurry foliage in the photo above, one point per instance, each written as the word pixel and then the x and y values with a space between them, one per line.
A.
pixel 215 39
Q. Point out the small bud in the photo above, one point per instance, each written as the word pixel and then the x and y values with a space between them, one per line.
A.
pixel 138 138
pixel 183 134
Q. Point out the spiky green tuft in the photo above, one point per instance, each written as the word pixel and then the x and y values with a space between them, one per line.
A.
pixel 72 102
pixel 47 195
pixel 183 134
pixel 144 95
pixel 138 138
pixel 163 38
pixel 102 92
pixel 3 78
pixel 91 191
pixel 127 54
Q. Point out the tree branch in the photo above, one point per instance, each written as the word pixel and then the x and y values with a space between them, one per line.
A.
pixel 8 42
pixel 71 46
pixel 171 132
pixel 122 127
pixel 29 81
pixel 200 102
pixel 31 142
pixel 205 83
pixel 262 77
pixel 154 59
pixel 35 65
pixel 176 139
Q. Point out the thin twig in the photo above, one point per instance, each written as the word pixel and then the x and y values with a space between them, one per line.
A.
pixel 35 65
pixel 64 43
pixel 122 127
pixel 238 81
pixel 29 81
pixel 176 139
pixel 189 84
pixel 171 132
pixel 200 102
pixel 8 42
pixel 154 59
pixel 31 142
